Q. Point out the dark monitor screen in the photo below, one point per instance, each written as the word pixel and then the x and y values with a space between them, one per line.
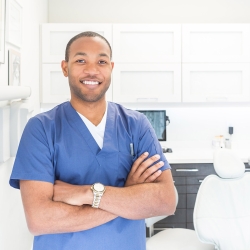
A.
pixel 157 118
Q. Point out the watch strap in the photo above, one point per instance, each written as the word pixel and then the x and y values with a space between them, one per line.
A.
pixel 97 199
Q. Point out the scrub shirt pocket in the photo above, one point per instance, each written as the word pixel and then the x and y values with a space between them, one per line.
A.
pixel 126 161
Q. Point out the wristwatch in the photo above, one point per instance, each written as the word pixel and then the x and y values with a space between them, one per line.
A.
pixel 98 190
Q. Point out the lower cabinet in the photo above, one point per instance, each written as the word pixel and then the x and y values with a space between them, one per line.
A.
pixel 187 178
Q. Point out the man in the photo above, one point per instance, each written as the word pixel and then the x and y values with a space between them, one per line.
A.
pixel 90 171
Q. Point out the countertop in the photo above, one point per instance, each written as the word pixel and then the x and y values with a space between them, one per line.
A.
pixel 182 153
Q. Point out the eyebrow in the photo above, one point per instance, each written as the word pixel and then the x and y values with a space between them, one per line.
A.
pixel 84 54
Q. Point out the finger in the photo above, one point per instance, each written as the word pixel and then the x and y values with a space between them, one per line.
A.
pixel 147 173
pixel 138 162
pixel 154 176
pixel 146 164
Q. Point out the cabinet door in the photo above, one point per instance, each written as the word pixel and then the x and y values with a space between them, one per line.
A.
pixel 56 36
pixel 147 43
pixel 55 86
pixel 216 82
pixel 215 43
pixel 147 83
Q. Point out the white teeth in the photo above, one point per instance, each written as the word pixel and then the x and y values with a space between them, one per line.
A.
pixel 90 82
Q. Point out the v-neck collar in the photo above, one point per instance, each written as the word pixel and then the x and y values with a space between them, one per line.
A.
pixel 110 134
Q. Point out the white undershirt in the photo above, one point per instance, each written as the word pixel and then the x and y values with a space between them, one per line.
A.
pixel 96 131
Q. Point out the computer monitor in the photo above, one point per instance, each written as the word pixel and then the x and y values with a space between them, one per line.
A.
pixel 157 118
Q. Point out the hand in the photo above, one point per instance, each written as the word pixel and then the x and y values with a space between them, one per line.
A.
pixel 70 194
pixel 141 172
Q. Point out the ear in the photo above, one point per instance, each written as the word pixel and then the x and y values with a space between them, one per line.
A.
pixel 112 65
pixel 64 66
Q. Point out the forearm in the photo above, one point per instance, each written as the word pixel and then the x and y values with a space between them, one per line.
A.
pixel 138 201
pixel 45 216
pixel 58 217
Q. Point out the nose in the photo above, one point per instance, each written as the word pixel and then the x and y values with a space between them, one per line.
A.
pixel 91 69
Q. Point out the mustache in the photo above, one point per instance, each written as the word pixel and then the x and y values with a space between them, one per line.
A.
pixel 91 78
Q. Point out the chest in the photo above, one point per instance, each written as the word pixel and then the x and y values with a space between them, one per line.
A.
pixel 77 158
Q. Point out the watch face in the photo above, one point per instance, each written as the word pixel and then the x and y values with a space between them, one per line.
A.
pixel 98 187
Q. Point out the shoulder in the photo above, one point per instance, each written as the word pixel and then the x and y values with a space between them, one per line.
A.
pixel 126 113
pixel 49 117
pixel 52 114
pixel 46 120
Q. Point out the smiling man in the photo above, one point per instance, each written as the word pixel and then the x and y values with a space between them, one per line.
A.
pixel 89 170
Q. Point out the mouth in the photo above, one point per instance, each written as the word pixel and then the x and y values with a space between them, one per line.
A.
pixel 89 82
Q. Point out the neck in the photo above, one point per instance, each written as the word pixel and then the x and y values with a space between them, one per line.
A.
pixel 93 111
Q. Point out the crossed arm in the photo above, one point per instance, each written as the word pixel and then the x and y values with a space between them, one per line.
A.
pixel 64 207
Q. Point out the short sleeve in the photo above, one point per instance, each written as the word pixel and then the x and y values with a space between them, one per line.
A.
pixel 33 159
pixel 148 142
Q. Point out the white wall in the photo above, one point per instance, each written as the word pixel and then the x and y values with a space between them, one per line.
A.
pixel 149 11
pixel 33 14
pixel 13 230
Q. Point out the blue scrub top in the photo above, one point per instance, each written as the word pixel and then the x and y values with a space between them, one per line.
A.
pixel 56 145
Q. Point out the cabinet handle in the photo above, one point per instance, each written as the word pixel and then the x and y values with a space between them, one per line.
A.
pixel 200 181
pixel 247 169
pixel 216 99
pixel 147 99
pixel 187 170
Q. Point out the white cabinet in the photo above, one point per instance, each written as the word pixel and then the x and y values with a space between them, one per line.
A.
pixel 159 62
pixel 54 86
pixel 215 62
pixel 214 43
pixel 55 37
pixel 147 63
pixel 216 82
pixel 147 43
pixel 147 83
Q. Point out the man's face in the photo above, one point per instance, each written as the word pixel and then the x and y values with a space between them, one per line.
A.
pixel 89 69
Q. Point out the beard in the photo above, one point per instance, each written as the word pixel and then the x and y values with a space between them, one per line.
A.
pixel 87 97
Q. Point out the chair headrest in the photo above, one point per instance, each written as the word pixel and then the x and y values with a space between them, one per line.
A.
pixel 227 164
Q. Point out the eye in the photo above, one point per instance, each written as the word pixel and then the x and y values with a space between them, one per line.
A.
pixel 102 62
pixel 80 61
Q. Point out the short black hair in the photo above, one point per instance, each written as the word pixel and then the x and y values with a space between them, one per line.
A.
pixel 84 34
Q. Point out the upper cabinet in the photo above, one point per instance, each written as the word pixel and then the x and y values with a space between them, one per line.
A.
pixel 215 62
pixel 147 43
pixel 147 83
pixel 159 62
pixel 147 63
pixel 215 43
pixel 55 37
pixel 216 82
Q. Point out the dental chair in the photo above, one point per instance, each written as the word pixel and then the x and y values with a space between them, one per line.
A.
pixel 221 212
pixel 173 239
pixel 222 207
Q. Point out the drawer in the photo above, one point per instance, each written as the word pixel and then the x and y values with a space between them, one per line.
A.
pixel 190 213
pixel 181 189
pixel 182 201
pixel 184 171
pixel 206 169
pixel 192 189
pixel 190 225
pixel 180 170
pixel 169 225
pixel 179 180
pixel 191 200
pixel 195 180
